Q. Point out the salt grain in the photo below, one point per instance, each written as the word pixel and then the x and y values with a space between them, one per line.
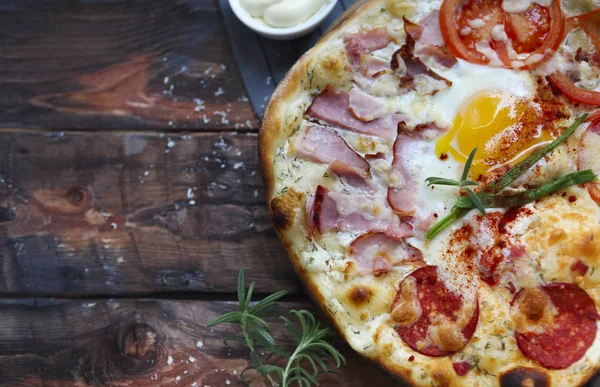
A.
pixel 170 360
pixel 223 67
pixel 192 202
pixel 219 92
pixel 113 226
pixel 177 379
pixel 227 382
pixel 238 165
pixel 190 193
pixel 170 143
pixel 166 80
pixel 192 359
pixel 199 344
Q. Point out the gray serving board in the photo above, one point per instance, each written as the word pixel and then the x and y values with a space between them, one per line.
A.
pixel 264 62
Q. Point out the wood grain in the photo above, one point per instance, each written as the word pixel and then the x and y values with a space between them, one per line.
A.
pixel 134 214
pixel 118 65
pixel 138 343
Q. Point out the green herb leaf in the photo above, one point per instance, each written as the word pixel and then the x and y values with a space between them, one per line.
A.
pixel 468 164
pixel 441 181
pixel 475 200
pixel 311 349
pixel 466 183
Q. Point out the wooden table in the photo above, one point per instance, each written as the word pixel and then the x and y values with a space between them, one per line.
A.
pixel 130 195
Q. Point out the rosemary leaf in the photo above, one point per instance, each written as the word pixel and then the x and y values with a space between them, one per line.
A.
pixel 475 201
pixel 468 164
pixel 441 181
pixel 522 198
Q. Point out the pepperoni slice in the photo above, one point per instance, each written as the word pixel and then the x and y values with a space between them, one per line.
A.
pixel 439 310
pixel 570 333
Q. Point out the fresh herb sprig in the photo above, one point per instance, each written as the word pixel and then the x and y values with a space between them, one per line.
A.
pixel 488 197
pixel 311 347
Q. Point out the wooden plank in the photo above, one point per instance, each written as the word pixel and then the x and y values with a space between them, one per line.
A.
pixel 140 343
pixel 251 59
pixel 129 214
pixel 118 64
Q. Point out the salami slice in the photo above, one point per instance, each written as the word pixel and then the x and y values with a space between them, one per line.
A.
pixel 570 333
pixel 443 321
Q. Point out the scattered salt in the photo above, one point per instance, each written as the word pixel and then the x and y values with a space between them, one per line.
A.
pixel 219 92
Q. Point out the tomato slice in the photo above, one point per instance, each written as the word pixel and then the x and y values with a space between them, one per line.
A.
pixel 572 92
pixel 536 33
pixel 595 116
pixel 590 23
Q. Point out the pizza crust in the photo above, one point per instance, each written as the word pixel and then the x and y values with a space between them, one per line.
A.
pixel 326 64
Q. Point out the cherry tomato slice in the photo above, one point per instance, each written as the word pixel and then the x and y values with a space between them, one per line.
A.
pixel 537 32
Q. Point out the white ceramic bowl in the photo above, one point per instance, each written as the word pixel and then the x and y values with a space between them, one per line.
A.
pixel 261 28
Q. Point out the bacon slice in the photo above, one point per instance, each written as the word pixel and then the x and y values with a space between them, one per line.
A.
pixel 323 145
pixel 329 210
pixel 376 253
pixel 407 149
pixel 333 108
pixel 364 42
pixel 364 107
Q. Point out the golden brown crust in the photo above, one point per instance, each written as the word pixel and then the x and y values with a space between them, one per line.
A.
pixel 284 207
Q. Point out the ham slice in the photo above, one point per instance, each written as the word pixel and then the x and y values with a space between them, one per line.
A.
pixel 364 107
pixel 414 74
pixel 373 66
pixel 364 42
pixel 328 210
pixel 407 149
pixel 333 108
pixel 376 253
pixel 325 146
pixel 431 31
pixel 430 42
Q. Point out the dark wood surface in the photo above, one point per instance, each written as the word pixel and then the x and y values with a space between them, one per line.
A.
pixel 130 195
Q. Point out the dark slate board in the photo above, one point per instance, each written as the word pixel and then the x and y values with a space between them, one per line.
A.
pixel 264 62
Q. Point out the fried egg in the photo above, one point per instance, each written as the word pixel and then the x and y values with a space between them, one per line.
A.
pixel 492 110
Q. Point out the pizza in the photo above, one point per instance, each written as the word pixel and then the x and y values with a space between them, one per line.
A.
pixel 431 170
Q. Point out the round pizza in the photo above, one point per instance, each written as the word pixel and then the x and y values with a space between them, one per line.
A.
pixel 431 170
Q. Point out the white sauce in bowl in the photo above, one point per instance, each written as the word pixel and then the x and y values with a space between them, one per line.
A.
pixel 282 13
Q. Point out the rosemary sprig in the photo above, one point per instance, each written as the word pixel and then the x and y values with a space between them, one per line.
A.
pixel 522 198
pixel 488 198
pixel 311 347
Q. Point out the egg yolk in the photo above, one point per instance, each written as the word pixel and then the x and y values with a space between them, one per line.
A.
pixel 505 129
